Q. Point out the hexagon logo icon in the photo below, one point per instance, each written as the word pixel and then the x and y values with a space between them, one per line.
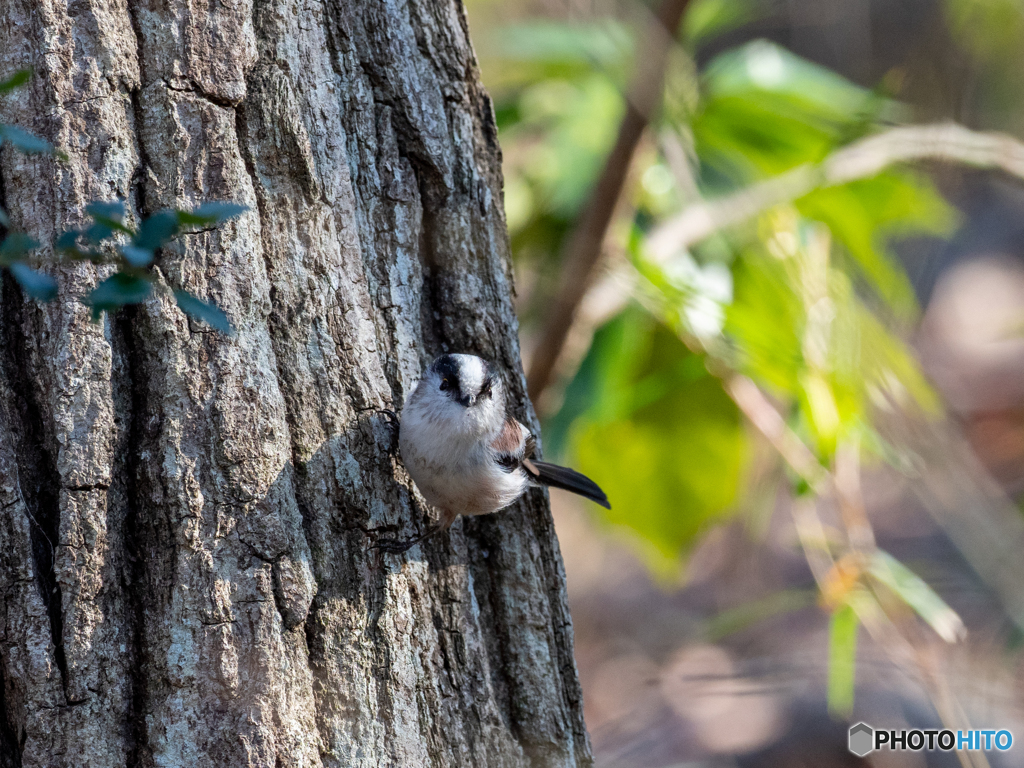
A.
pixel 862 738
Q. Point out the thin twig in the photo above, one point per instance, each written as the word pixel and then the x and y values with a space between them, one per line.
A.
pixel 583 249
pixel 762 414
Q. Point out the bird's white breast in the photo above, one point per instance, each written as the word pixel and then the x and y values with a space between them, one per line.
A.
pixel 454 466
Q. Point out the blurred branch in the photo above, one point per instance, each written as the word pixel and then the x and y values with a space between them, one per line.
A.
pixel 584 245
pixel 971 507
pixel 767 420
pixel 946 142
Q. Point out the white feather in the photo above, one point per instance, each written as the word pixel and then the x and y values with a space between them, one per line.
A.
pixel 447 447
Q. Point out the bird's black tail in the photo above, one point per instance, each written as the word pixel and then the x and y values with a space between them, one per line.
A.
pixel 566 479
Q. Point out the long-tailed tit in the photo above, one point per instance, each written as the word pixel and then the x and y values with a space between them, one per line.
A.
pixel 465 453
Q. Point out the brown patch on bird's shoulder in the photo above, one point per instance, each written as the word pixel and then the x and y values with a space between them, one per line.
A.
pixel 510 438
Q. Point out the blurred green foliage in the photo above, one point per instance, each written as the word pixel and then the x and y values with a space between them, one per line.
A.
pixel 677 439
pixel 808 299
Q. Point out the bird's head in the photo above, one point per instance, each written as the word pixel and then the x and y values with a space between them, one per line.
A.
pixel 467 390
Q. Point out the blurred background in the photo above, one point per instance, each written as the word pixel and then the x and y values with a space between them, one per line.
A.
pixel 770 268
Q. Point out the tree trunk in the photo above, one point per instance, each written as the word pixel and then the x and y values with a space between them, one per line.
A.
pixel 185 517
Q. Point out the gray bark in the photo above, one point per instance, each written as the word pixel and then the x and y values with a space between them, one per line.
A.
pixel 185 517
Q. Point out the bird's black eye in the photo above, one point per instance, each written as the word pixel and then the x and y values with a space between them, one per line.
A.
pixel 445 385
pixel 486 391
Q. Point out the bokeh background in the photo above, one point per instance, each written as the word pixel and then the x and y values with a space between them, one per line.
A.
pixel 770 268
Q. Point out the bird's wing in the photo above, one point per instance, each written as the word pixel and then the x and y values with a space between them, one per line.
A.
pixel 514 447
pixel 513 444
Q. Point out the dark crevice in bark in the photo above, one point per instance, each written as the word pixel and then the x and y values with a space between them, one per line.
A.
pixel 37 470
pixel 10 748
pixel 134 579
pixel 136 188
pixel 134 388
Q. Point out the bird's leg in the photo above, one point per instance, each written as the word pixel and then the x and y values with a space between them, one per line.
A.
pixel 394 423
pixel 398 546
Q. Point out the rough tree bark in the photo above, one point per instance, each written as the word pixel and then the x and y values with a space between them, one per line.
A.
pixel 185 517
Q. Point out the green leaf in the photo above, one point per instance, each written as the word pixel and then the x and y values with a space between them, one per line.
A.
pixel 108 214
pixel 533 52
pixel 98 232
pixel 913 590
pixel 200 310
pixel 35 284
pixel 671 424
pixel 842 661
pixel 766 110
pixel 16 80
pixel 16 245
pixel 211 213
pixel 706 19
pixel 67 244
pixel 112 210
pixel 864 214
pixel 137 257
pixel 765 321
pixel 157 230
pixel 743 616
pixel 25 141
pixel 116 291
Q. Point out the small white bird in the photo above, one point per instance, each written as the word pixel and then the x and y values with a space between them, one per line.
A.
pixel 465 453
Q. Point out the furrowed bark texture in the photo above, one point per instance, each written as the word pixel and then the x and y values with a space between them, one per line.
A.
pixel 185 518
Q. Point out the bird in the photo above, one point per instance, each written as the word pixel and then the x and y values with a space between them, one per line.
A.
pixel 464 451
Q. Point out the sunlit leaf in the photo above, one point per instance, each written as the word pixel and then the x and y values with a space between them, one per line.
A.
pixel 35 284
pixel 706 19
pixel 913 590
pixel 888 365
pixel 671 424
pixel 862 215
pixel 842 660
pixel 19 78
pixel 766 318
pixel 201 310
pixel 25 141
pixel 116 291
pixel 766 110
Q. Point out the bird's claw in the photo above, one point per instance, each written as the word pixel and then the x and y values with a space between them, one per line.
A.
pixel 398 546
pixel 394 423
